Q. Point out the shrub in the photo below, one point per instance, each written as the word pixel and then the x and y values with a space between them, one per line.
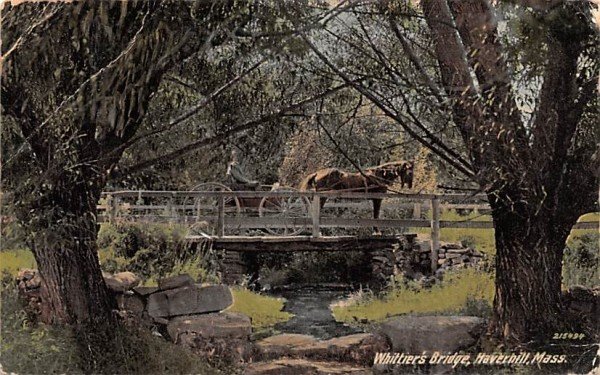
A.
pixel 152 251
pixel 581 261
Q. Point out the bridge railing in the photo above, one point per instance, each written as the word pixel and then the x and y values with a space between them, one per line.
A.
pixel 183 206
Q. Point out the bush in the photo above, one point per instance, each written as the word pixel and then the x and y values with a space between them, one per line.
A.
pixel 581 261
pixel 152 251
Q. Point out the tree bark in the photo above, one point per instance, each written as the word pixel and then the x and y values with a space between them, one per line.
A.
pixel 529 251
pixel 67 255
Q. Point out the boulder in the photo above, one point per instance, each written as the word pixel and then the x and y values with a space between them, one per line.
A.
pixel 128 279
pixel 416 334
pixel 189 300
pixel 121 282
pixel 29 279
pixel 357 348
pixel 130 302
pixel 229 325
pixel 175 282
pixel 217 338
pixel 289 366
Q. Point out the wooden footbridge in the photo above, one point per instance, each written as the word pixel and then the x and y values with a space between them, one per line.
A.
pixel 287 220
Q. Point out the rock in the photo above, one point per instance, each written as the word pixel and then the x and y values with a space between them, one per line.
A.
pixel 221 325
pixel 424 247
pixel 415 334
pixel 449 245
pixel 120 282
pixel 29 279
pixel 130 302
pixel 358 348
pixel 161 321
pixel 217 338
pixel 381 259
pixel 286 344
pixel 175 282
pixel 288 366
pixel 457 251
pixel 189 300
pixel 32 291
pixel 145 290
pixel 441 262
pixel 128 279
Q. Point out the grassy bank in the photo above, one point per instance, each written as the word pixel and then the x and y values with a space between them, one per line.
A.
pixel 264 311
pixel 459 292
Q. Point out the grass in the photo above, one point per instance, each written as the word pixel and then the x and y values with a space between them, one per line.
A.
pixel 12 261
pixel 264 311
pixel 452 296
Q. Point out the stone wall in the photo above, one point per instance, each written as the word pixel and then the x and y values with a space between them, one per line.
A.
pixel 407 257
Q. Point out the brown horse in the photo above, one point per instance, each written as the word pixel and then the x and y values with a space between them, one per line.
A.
pixel 372 180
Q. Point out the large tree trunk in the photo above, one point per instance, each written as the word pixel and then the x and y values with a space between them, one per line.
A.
pixel 529 251
pixel 64 245
pixel 66 253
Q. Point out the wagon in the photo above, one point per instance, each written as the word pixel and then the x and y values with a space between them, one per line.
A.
pixel 282 210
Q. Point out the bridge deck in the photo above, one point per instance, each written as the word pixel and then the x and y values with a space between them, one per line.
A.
pixel 302 243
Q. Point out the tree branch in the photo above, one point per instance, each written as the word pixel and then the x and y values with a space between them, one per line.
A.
pixel 219 137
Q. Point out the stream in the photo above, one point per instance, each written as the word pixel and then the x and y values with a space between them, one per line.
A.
pixel 312 316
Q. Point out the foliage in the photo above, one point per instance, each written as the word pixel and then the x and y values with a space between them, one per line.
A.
pixel 581 262
pixel 41 349
pixel 461 292
pixel 33 350
pixel 264 311
pixel 152 251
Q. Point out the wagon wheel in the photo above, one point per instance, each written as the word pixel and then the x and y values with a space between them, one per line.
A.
pixel 206 208
pixel 284 208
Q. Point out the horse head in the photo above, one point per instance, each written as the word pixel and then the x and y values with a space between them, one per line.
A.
pixel 389 172
pixel 406 173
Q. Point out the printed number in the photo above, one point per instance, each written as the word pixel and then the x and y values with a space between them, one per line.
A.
pixel 568 336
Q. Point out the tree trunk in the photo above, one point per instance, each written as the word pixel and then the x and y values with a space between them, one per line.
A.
pixel 529 250
pixel 65 250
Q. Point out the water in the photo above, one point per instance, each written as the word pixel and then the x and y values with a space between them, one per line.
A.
pixel 312 316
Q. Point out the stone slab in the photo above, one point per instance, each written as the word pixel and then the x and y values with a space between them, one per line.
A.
pixel 230 325
pixel 415 334
pixel 175 282
pixel 189 300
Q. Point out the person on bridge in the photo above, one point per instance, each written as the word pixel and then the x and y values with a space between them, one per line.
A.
pixel 236 176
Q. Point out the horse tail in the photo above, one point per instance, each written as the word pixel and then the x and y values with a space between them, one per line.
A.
pixel 307 182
